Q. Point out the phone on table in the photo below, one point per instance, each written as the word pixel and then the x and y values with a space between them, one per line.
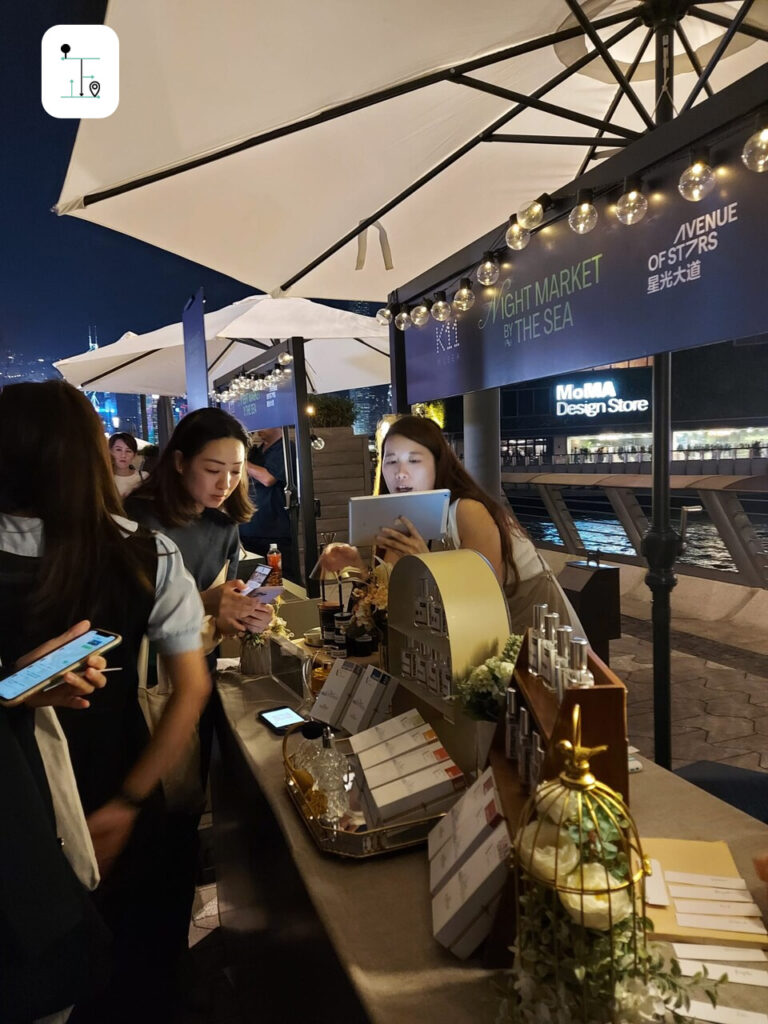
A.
pixel 280 719
pixel 43 673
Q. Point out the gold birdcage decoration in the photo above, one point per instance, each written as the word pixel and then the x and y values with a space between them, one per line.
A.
pixel 579 891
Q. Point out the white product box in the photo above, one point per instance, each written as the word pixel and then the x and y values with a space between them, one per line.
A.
pixel 369 692
pixel 407 764
pixel 386 731
pixel 472 890
pixel 332 700
pixel 384 708
pixel 479 930
pixel 424 792
pixel 471 831
pixel 478 795
pixel 397 746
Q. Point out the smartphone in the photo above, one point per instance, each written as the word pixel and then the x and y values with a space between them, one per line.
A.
pixel 280 719
pixel 42 673
pixel 258 578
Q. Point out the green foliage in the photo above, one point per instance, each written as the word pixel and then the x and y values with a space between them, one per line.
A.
pixel 333 411
pixel 483 692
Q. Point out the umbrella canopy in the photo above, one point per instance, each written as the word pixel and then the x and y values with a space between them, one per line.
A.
pixel 153 363
pixel 429 123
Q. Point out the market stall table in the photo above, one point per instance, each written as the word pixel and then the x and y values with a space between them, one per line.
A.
pixel 335 939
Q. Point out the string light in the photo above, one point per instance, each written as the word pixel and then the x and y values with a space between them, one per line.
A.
pixel 441 308
pixel 755 152
pixel 420 312
pixel 403 318
pixel 583 216
pixel 531 215
pixel 464 298
pixel 632 205
pixel 488 270
pixel 516 237
pixel 384 316
pixel 285 358
pixel 697 181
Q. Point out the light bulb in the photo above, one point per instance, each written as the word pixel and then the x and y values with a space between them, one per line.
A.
pixel 384 316
pixel 583 216
pixel 277 373
pixel 696 181
pixel 517 237
pixel 632 205
pixel 532 214
pixel 317 442
pixel 488 270
pixel 420 313
pixel 403 319
pixel 441 308
pixel 755 152
pixel 285 358
pixel 287 372
pixel 464 298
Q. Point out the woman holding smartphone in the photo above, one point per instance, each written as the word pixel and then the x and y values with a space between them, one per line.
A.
pixel 66 553
pixel 416 457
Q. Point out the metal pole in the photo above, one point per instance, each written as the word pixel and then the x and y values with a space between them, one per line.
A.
pixel 661 545
pixel 482 431
pixel 304 453
pixel 397 368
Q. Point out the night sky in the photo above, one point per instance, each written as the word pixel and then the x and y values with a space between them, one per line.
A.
pixel 60 274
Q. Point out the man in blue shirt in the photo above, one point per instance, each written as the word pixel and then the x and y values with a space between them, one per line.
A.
pixel 266 489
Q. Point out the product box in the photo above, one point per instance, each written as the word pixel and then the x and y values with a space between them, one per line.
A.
pixel 386 731
pixel 470 892
pixel 373 686
pixel 397 746
pixel 332 700
pixel 425 792
pixel 472 829
pixel 383 710
pixel 477 796
pixel 480 929
pixel 406 764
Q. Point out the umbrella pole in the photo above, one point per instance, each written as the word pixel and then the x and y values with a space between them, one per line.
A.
pixel 305 481
pixel 661 545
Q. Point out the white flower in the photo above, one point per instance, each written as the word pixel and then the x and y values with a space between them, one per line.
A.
pixel 546 851
pixel 481 674
pixel 592 903
pixel 505 670
pixel 556 803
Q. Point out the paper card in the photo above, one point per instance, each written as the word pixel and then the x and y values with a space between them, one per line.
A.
pixel 737 975
pixel 655 889
pixel 694 950
pixel 703 892
pixel 747 925
pixel 717 909
pixel 632 750
pixel 716 881
pixel 724 1014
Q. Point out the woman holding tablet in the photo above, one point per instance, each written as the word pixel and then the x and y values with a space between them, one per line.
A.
pixel 416 457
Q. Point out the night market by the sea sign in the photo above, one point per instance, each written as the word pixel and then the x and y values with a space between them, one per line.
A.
pixel 688 274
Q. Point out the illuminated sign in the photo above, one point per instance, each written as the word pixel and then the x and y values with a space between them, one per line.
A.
pixel 592 398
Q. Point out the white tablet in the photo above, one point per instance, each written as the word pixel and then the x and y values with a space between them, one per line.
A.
pixel 427 510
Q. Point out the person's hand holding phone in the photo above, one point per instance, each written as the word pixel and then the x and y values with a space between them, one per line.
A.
pixel 238 612
pixel 76 685
pixel 401 539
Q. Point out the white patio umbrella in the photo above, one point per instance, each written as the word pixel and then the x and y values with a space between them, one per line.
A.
pixel 425 120
pixel 153 363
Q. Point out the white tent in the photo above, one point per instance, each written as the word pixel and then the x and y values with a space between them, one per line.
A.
pixel 276 131
pixel 343 349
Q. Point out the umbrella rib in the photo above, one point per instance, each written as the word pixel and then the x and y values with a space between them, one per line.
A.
pixel 723 22
pixel 691 55
pixel 617 98
pixel 453 157
pixel 602 49
pixel 120 366
pixel 720 49
pixel 559 140
pixel 373 348
pixel 352 106
pixel 544 107
pixel 221 354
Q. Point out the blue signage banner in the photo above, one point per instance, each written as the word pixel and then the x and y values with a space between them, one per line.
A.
pixel 195 353
pixel 688 274
pixel 256 410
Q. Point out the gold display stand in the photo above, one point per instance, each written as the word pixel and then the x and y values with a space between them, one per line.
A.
pixel 477 627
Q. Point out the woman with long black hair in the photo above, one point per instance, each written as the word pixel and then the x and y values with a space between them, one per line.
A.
pixel 66 554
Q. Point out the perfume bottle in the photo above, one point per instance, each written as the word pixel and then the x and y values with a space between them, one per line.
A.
pixel 310 746
pixel 548 649
pixel 446 677
pixel 523 744
pixel 420 663
pixel 435 618
pixel 433 673
pixel 421 608
pixel 536 636
pixel 578 674
pixel 330 771
pixel 563 636
pixel 535 761
pixel 510 725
